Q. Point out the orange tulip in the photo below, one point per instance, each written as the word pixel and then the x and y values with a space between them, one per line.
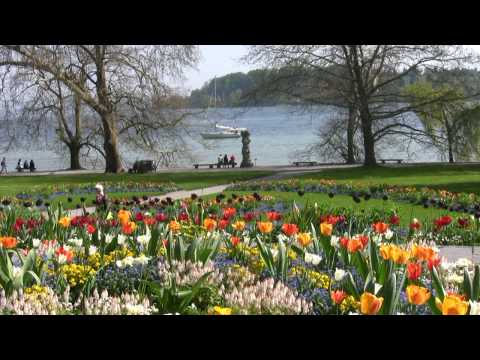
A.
pixel 289 229
pixel 452 305
pixel 326 229
pixel 209 224
pixel 124 216
pixel 239 225
pixel 304 239
pixel 338 296
pixel 354 245
pixel 174 226
pixel 380 227
pixel 265 227
pixel 417 295
pixel 8 242
pixel 370 304
pixel 235 240
pixel 129 227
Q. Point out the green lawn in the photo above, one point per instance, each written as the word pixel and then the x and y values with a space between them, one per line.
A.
pixel 13 185
pixel 405 211
pixel 456 178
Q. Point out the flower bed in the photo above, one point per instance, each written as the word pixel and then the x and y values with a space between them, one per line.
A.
pixel 53 191
pixel 427 197
pixel 237 255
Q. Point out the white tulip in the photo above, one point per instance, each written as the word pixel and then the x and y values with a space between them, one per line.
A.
pixel 474 308
pixel 119 264
pixel 142 259
pixel 339 274
pixel 108 238
pixel 389 234
pixel 121 239
pixel 334 241
pixel 312 259
pixel 92 250
pixel 36 243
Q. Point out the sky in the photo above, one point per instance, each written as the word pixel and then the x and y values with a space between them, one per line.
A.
pixel 219 60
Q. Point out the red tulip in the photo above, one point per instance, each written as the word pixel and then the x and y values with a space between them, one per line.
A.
pixel 433 261
pixel 139 216
pixel 161 217
pixel 273 215
pixel 91 229
pixel 338 296
pixel 235 240
pixel 414 271
pixel 222 224
pixel 249 216
pixel 463 222
pixel 289 229
pixel 183 216
pixel 394 219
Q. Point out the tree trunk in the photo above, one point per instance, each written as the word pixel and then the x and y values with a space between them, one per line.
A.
pixel 110 138
pixel 368 139
pixel 74 157
pixel 350 135
pixel 449 140
pixel 110 145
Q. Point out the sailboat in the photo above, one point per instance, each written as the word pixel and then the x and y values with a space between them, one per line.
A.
pixel 228 132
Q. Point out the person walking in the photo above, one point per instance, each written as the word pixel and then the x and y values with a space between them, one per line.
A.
pixel 4 166
pixel 101 199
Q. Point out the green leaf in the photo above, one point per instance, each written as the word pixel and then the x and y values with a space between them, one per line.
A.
pixel 437 284
pixel 467 284
pixel 476 284
pixel 351 286
pixel 388 292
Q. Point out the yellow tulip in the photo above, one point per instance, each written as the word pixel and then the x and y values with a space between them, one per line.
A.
pixel 452 305
pixel 217 310
pixel 417 295
pixel 265 227
pixel 398 255
pixel 239 225
pixel 385 251
pixel 326 229
pixel 370 304
pixel 304 239
pixel 65 221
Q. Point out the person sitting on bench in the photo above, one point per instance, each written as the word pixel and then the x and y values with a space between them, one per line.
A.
pixel 232 161
pixel 19 165
pixel 219 161
pixel 32 166
pixel 26 165
pixel 225 161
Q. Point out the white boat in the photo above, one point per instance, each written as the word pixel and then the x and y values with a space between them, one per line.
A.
pixel 228 132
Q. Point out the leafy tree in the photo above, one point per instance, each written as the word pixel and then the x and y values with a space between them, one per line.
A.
pixel 450 121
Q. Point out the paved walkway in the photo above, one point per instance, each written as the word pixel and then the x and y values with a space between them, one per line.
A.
pixel 453 253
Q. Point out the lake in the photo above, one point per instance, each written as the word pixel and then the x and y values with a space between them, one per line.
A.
pixel 277 133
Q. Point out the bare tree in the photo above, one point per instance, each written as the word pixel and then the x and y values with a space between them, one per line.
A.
pixel 108 79
pixel 371 73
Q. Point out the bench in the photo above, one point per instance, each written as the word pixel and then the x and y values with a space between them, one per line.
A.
pixel 211 166
pixel 398 161
pixel 305 163
pixel 143 166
